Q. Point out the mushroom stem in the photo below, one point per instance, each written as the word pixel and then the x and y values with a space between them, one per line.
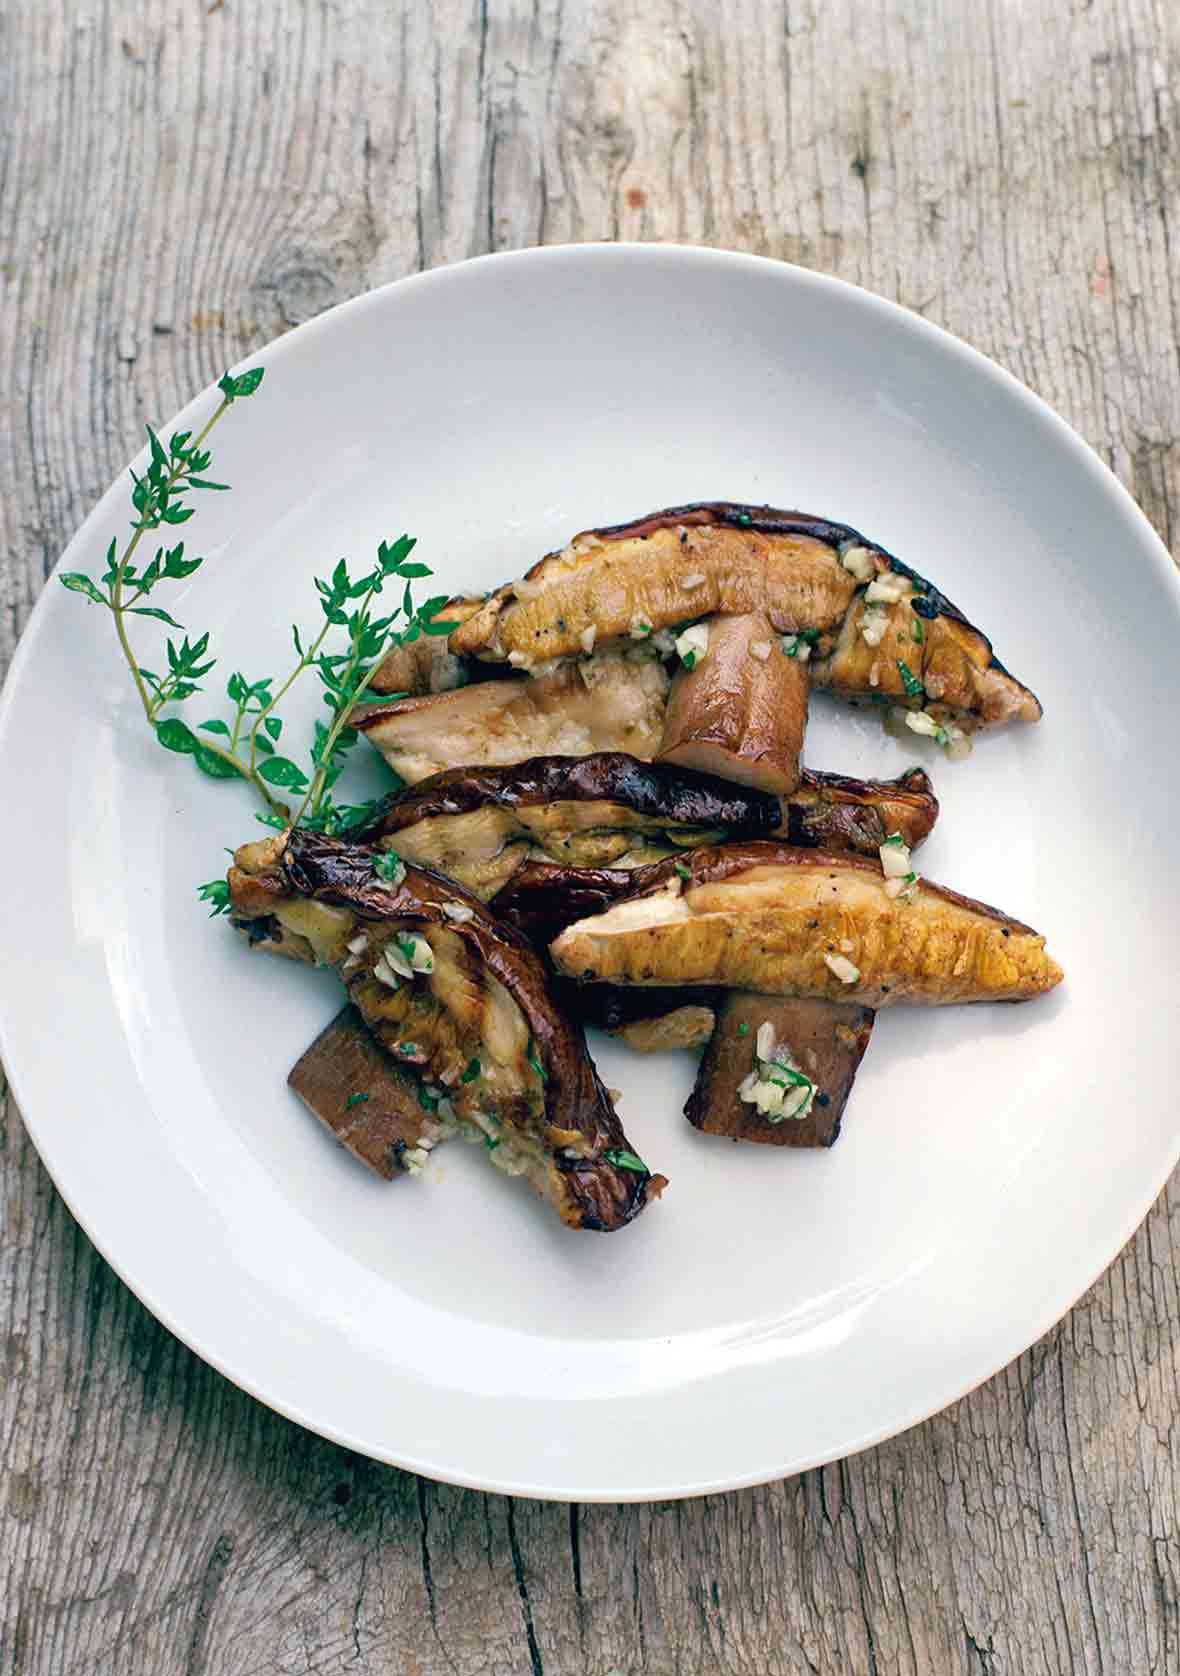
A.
pixel 741 710
pixel 825 1039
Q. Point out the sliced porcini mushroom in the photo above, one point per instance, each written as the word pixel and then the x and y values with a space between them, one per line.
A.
pixel 785 921
pixel 613 701
pixel 863 613
pixel 825 811
pixel 367 1102
pixel 822 1041
pixel 834 812
pixel 465 1004
pixel 427 664
pixel 479 825
pixel 740 709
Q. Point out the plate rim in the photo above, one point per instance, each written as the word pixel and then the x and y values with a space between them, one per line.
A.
pixel 1082 455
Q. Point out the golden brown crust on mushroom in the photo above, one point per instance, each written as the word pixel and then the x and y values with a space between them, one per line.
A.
pixel 717 558
pixel 770 918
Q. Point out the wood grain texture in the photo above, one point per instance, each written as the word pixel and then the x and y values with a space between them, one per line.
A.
pixel 179 181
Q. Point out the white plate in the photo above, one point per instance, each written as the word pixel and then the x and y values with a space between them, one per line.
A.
pixel 773 1310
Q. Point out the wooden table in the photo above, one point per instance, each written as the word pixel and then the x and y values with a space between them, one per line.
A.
pixel 181 180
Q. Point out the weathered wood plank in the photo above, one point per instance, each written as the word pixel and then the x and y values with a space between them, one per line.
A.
pixel 182 182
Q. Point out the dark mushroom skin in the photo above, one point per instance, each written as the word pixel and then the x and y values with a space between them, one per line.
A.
pixel 741 709
pixel 834 812
pixel 827 1040
pixel 367 1102
pixel 485 1001
pixel 479 825
pixel 805 573
pixel 783 921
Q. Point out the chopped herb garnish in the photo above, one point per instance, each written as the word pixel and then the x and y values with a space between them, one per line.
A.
pixel 491 1142
pixel 473 1069
pixel 683 872
pixel 407 1047
pixel 387 865
pixel 427 1100
pixel 689 659
pixel 893 838
pixel 744 518
pixel 909 879
pixel 913 687
pixel 535 1062
pixel 355 1100
pixel 743 1029
pixel 917 631
pixel 624 1160
pixel 809 636
pixel 216 892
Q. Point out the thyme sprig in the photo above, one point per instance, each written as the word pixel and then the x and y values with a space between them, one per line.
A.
pixel 246 744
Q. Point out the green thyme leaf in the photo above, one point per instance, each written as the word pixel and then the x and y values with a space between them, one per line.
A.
pixel 473 1070
pixel 357 1099
pixel 216 892
pixel 535 1062
pixel 683 872
pixel 154 611
pixel 689 660
pixel 281 771
pixel 624 1160
pixel 893 838
pixel 743 1029
pixel 79 584
pixel 217 768
pixel 428 1101
pixel 244 384
pixel 214 727
pixel 175 735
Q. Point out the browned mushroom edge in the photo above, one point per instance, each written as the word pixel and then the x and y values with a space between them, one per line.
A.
pixel 319 868
pixel 663 792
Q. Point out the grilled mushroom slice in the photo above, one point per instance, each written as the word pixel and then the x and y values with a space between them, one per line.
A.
pixel 826 811
pixel 829 811
pixel 367 1102
pixel 875 628
pixel 479 825
pixel 784 921
pixel 779 1069
pixel 464 1003
pixel 740 707
pixel 612 701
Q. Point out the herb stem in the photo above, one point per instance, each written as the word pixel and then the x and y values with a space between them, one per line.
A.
pixel 307 658
pixel 119 607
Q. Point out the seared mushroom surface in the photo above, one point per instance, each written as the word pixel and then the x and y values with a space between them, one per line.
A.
pixel 367 1102
pixel 873 628
pixel 479 825
pixel 612 701
pixel 779 1069
pixel 463 1002
pixel 784 921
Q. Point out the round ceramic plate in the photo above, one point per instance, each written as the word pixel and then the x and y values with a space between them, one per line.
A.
pixel 774 1310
